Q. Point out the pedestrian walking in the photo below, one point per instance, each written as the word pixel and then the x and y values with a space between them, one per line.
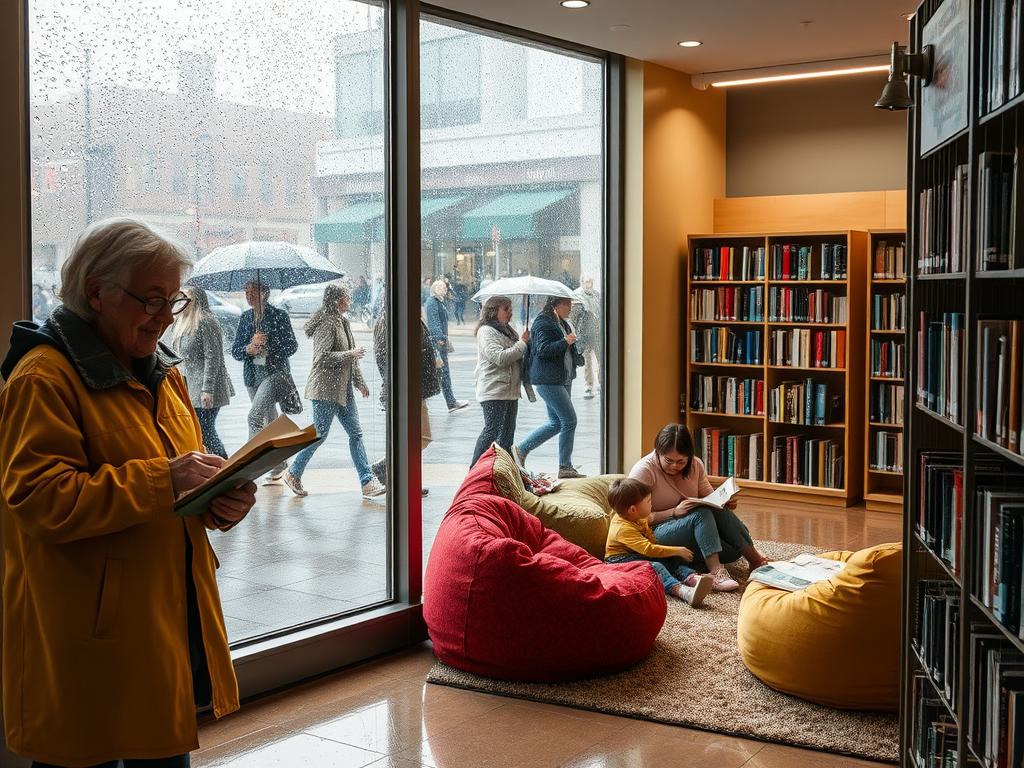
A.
pixel 437 323
pixel 334 378
pixel 196 336
pixel 500 351
pixel 553 359
pixel 586 320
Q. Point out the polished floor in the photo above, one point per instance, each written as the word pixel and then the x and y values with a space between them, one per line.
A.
pixel 383 714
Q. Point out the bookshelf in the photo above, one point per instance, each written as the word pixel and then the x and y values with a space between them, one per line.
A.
pixel 886 319
pixel 963 645
pixel 770 325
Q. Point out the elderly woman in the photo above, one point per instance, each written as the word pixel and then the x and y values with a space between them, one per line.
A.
pixel 437 322
pixel 196 336
pixel 113 632
pixel 678 480
pixel 499 370
pixel 334 375
pixel 552 368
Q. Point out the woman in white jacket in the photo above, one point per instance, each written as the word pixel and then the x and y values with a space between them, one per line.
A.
pixel 498 373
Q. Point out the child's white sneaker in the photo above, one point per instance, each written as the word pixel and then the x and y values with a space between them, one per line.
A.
pixel 723 580
pixel 694 595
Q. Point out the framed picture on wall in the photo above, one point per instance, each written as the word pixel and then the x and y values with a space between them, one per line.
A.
pixel 944 101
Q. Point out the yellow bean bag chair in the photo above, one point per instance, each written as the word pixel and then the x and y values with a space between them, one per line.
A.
pixel 837 642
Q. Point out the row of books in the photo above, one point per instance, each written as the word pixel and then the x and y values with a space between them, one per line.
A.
pixel 728 303
pixel 808 348
pixel 805 305
pixel 940 507
pixel 887 358
pixel 886 405
pixel 996 703
pixel 727 394
pixel 804 402
pixel 889 312
pixel 724 345
pixel 729 455
pixel 792 261
pixel 940 364
pixel 1001 544
pixel 728 263
pixel 1000 417
pixel 890 262
pixel 801 460
pixel 887 451
pixel 1000 53
pixel 937 634
pixel 942 213
pixel 934 733
pixel 997 231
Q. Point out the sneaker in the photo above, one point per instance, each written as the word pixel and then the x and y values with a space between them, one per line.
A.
pixel 380 471
pixel 373 489
pixel 519 456
pixel 295 484
pixel 695 595
pixel 458 406
pixel 568 473
pixel 723 582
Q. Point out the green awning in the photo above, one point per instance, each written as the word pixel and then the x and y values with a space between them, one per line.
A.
pixel 350 224
pixel 512 213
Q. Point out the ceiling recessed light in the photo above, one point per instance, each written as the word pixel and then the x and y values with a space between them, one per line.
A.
pixel 689 43
pixel 575 3
pixel 619 27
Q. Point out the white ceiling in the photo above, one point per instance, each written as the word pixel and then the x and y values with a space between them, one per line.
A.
pixel 737 34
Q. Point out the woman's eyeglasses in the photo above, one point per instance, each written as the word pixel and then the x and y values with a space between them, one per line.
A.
pixel 155 305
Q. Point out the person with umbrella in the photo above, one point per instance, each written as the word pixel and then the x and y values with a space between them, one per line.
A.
pixel 263 343
pixel 553 358
pixel 586 319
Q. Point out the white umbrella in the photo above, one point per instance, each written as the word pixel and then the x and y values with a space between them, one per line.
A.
pixel 274 263
pixel 525 285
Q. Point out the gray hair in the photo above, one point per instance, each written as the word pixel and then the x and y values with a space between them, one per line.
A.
pixel 110 251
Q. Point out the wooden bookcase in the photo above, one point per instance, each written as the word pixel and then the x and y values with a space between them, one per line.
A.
pixel 883 488
pixel 951 556
pixel 846 379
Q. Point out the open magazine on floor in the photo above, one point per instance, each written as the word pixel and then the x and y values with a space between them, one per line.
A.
pixel 797 573
pixel 279 440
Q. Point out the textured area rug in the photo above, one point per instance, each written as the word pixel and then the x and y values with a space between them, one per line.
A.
pixel 694 677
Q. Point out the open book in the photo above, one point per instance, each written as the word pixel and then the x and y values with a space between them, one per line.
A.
pixel 279 440
pixel 722 494
pixel 795 574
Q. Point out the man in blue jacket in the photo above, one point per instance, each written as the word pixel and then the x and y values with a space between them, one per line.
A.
pixel 263 343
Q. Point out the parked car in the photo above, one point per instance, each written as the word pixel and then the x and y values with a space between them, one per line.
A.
pixel 227 315
pixel 300 299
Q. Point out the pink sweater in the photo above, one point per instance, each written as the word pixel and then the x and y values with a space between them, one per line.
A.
pixel 668 491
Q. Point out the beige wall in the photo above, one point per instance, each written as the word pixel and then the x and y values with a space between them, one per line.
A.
pixel 683 170
pixel 814 136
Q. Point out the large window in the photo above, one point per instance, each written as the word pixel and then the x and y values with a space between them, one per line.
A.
pixel 206 119
pixel 513 185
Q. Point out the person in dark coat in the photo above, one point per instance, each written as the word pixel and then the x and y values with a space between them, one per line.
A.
pixel 437 323
pixel 553 358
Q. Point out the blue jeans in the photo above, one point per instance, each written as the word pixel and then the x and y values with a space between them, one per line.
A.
pixel 324 412
pixel 446 376
pixel 561 422
pixel 208 424
pixel 707 532
pixel 670 570
pixel 499 426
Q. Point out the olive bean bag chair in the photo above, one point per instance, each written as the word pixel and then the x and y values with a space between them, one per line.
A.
pixel 507 598
pixel 837 642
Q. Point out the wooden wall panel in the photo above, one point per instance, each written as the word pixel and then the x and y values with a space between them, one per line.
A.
pixel 884 209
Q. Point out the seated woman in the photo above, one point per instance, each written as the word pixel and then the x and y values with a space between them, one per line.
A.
pixel 679 481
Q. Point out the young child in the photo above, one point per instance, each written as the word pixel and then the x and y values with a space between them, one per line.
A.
pixel 630 538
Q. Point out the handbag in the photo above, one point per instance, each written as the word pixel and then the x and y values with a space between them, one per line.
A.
pixel 288 398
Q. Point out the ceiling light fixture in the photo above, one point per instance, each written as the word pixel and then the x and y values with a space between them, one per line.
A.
pixel 689 43
pixel 799 71
pixel 575 3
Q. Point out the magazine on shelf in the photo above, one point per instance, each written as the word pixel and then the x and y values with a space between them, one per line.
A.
pixel 797 573
pixel 279 440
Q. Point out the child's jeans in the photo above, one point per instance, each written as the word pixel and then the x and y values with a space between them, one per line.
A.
pixel 670 570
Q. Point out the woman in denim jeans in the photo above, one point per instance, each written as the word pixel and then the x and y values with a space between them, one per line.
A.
pixel 678 482
pixel 552 368
pixel 333 377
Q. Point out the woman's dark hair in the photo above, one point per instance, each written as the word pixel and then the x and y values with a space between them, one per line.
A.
pixel 489 313
pixel 552 302
pixel 676 437
pixel 624 493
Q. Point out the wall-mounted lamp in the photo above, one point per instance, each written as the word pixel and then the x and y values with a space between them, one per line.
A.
pixel 896 94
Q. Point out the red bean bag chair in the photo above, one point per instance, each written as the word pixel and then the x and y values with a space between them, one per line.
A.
pixel 507 598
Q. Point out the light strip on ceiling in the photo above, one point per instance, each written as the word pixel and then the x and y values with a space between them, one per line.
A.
pixel 801 71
